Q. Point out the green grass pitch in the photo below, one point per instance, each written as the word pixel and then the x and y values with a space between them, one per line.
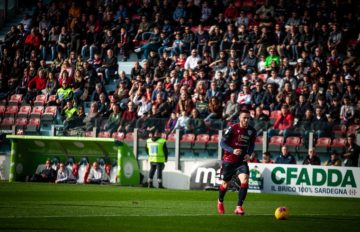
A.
pixel 53 207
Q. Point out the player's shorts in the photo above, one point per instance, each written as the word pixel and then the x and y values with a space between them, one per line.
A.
pixel 231 169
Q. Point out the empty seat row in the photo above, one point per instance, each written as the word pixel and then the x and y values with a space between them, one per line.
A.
pixel 27 111
pixel 17 99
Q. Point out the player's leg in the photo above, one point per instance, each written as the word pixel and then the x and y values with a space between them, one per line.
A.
pixel 228 171
pixel 151 174
pixel 244 182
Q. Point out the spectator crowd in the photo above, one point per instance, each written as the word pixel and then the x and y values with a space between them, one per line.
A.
pixel 293 64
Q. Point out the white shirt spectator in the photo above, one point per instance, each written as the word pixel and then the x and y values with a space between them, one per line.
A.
pixel 192 61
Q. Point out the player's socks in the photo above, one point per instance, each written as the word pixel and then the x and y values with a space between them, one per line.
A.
pixel 242 194
pixel 222 192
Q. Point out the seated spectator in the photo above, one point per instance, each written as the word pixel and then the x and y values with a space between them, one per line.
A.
pixel 312 158
pixel 52 85
pixel 267 158
pixel 153 43
pixel 192 61
pixel 109 67
pixel 48 174
pixel 128 119
pixel 93 118
pixel 321 125
pixel 244 97
pixel 260 121
pixel 69 114
pixel 334 159
pixel 182 123
pixel 351 155
pixel 347 112
pixel 35 86
pixel 96 174
pixel 64 175
pixel 171 123
pixel 215 110
pixel 283 123
pixel 252 158
pixel 112 123
pixel 285 157
pixel 232 109
pixel 64 94
pixel 196 124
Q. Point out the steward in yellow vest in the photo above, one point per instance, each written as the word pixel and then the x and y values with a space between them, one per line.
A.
pixel 158 154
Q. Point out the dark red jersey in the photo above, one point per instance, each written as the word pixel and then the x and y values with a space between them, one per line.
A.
pixel 236 137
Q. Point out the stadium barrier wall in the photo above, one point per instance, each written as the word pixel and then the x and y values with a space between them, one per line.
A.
pixel 283 179
pixel 27 152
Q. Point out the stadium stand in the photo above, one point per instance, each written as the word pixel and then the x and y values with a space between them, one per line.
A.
pixel 326 53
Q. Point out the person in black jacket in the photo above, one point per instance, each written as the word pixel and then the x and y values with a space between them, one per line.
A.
pixel 312 158
pixel 48 174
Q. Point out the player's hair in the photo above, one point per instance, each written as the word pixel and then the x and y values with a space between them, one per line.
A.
pixel 244 112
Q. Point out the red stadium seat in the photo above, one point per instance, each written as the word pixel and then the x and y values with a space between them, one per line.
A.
pixel 21 122
pixel 89 134
pixel 118 136
pixel 51 100
pixel 35 122
pixel 40 100
pixel 50 113
pixel 24 111
pixel 201 141
pixel 37 111
pixel 213 142
pixel 262 77
pixel 104 134
pixel 187 141
pixel 7 123
pixel 292 143
pixel 339 144
pixel 15 99
pixel 339 131
pixel 275 143
pixel 129 136
pixel 171 137
pixel 322 144
pixel 11 110
pixel 258 143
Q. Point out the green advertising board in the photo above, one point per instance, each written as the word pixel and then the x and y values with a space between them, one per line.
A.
pixel 27 152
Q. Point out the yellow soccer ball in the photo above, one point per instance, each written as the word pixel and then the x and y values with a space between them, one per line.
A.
pixel 282 213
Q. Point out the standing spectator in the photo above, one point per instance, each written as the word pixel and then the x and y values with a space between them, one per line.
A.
pixel 352 152
pixel 347 112
pixel 312 158
pixel 285 157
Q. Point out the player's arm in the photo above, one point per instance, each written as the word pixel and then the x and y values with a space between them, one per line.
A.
pixel 224 141
pixel 251 145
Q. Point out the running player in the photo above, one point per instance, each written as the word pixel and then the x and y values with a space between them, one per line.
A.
pixel 238 142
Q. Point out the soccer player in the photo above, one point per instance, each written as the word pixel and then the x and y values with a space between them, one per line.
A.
pixel 238 143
